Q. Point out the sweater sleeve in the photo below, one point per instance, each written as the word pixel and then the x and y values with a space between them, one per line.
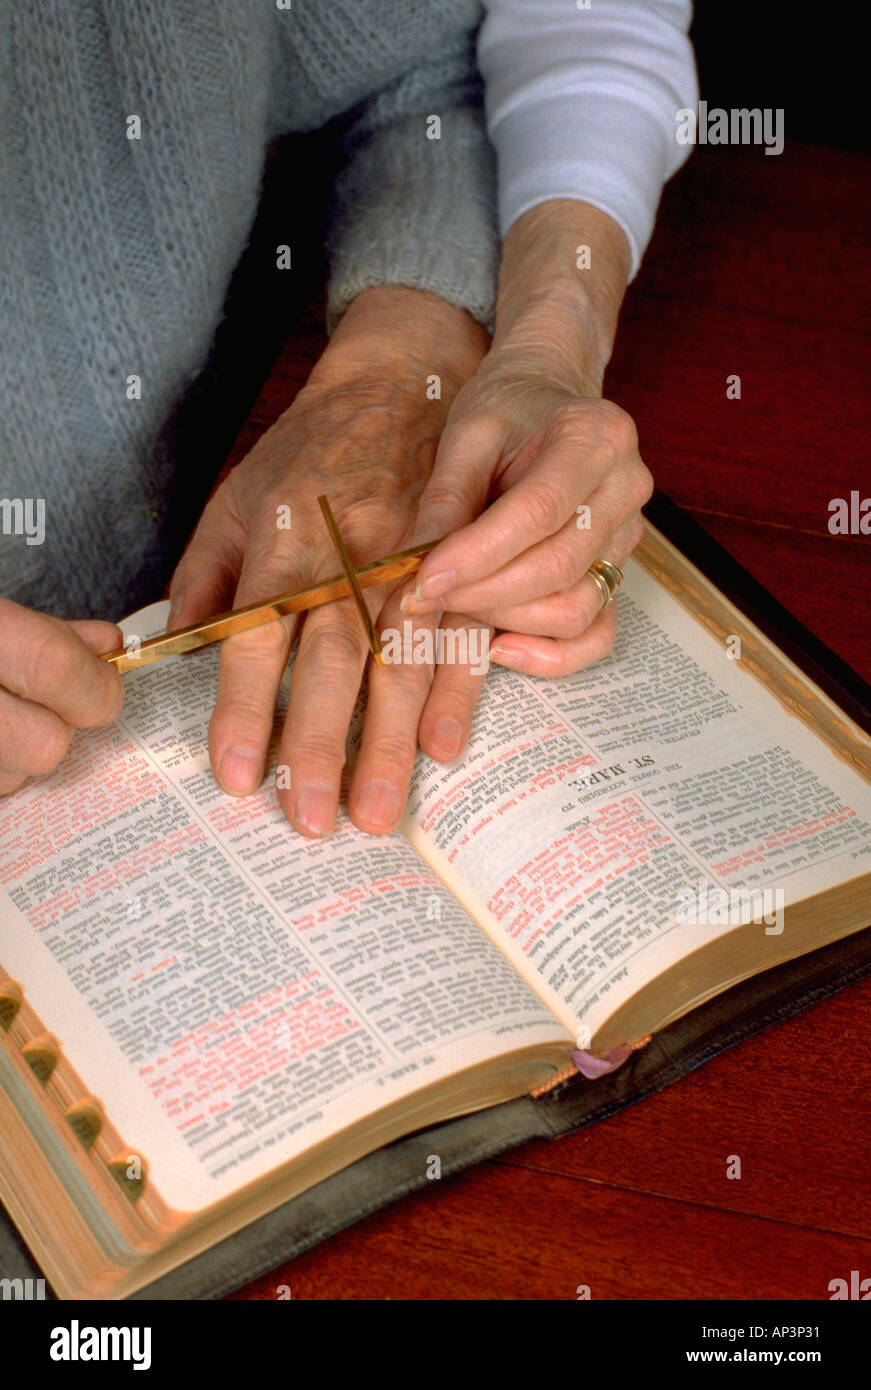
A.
pixel 413 197
pixel 581 103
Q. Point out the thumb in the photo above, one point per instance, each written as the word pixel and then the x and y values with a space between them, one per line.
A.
pixel 206 575
pixel 458 489
pixel 460 481
pixel 98 636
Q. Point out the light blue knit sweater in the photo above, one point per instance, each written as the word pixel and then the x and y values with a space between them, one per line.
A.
pixel 116 253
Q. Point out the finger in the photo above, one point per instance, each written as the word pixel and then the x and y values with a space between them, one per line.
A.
pixel 577 450
pixel 97 636
pixel 560 561
pixel 206 576
pixel 568 612
pixel 446 722
pixel 251 665
pixel 397 695
pixel 44 660
pixel 32 739
pixel 326 679
pixel 460 481
pixel 542 656
pixel 10 782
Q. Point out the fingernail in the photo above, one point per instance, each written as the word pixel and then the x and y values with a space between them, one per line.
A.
pixel 316 808
pixel 436 585
pixel 174 609
pixel 240 770
pixel 409 603
pixel 448 736
pixel 379 804
pixel 508 656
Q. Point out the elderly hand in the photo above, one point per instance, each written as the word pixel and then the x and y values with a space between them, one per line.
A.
pixel 365 432
pixel 559 465
pixel 568 483
pixel 527 432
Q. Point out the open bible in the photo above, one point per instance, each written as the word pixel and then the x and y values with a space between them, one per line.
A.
pixel 203 1015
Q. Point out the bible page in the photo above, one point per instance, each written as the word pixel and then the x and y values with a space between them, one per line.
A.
pixel 589 812
pixel 234 993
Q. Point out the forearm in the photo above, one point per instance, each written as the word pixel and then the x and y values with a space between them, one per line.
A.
pixel 565 266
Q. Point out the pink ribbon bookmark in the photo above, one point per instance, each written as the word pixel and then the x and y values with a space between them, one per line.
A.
pixel 593 1067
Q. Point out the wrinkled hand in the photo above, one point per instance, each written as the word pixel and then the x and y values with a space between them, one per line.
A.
pixel 51 683
pixel 364 432
pixel 566 483
pixel 560 470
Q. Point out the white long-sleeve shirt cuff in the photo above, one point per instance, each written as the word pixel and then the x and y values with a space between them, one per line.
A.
pixel 582 104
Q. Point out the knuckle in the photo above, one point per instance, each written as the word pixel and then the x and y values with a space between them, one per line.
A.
pixel 564 667
pixel 108 701
pixel 564 565
pixel 455 692
pixel 605 516
pixel 363 523
pixel 394 750
pixel 335 648
pixel 237 718
pixel 49 667
pixel 446 493
pixel 461 674
pixel 577 611
pixel 543 506
pixel 641 487
pixel 570 424
pixel 558 663
pixel 602 641
pixel 618 426
pixel 318 750
pixel 270 640
pixel 565 616
pixel 57 668
pixel 406 680
pixel 50 742
pixel 635 531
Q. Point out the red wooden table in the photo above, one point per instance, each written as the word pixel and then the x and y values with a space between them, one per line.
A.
pixel 759 267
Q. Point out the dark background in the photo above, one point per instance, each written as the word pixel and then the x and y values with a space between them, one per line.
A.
pixel 807 58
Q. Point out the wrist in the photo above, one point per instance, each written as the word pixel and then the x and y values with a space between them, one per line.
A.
pixel 555 338
pixel 405 332
pixel 563 275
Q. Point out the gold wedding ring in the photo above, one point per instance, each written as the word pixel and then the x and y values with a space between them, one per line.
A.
pixel 608 579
